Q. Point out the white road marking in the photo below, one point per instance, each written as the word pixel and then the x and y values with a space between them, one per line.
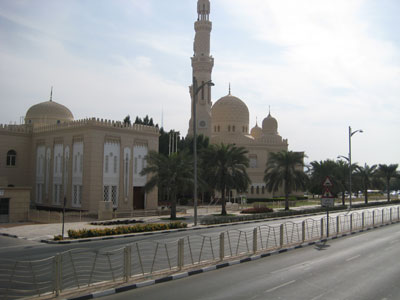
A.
pixel 280 286
pixel 319 296
pixel 303 264
pixel 354 257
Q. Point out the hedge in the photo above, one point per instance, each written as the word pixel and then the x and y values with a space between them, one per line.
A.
pixel 86 233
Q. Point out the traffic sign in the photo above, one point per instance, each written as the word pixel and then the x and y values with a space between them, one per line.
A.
pixel 327 202
pixel 327 194
pixel 327 182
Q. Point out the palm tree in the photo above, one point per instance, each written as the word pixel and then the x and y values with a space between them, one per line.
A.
pixel 367 175
pixel 225 169
pixel 285 169
pixel 388 172
pixel 172 174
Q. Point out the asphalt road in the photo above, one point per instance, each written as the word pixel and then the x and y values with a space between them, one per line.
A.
pixel 363 266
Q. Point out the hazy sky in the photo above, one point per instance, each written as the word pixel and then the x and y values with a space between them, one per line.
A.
pixel 321 65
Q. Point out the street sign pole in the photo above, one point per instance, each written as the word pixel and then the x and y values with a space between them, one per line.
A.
pixel 327 200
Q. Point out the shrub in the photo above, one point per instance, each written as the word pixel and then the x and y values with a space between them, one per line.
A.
pixel 86 233
pixel 259 210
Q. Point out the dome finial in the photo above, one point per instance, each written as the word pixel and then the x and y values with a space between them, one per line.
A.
pixel 256 121
pixel 51 94
pixel 269 110
pixel 229 88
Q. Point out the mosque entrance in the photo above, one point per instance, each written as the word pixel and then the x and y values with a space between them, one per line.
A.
pixel 138 197
pixel 4 210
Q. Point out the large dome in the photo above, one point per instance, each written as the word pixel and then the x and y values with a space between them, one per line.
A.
pixel 230 109
pixel 48 112
pixel 270 125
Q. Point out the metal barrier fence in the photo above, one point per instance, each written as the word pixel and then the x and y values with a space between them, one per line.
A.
pixel 80 268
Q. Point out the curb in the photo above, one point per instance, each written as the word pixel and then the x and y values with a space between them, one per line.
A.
pixel 218 266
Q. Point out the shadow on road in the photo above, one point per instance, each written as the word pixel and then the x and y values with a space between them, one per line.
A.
pixel 321 246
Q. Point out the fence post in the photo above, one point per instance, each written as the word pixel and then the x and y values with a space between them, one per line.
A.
pixel 398 213
pixel 303 231
pixel 181 248
pixel 281 235
pixel 362 220
pixel 322 228
pixel 373 218
pixel 390 215
pixel 351 223
pixel 383 216
pixel 57 274
pixel 127 263
pixel 337 224
pixel 255 240
pixel 222 246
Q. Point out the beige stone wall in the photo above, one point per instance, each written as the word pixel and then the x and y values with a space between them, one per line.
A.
pixel 19 202
pixel 94 135
pixel 18 175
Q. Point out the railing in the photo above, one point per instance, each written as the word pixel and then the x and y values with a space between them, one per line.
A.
pixel 79 268
pixel 47 216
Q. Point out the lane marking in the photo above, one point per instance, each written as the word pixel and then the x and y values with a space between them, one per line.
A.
pixel 319 296
pixel 354 257
pixel 280 286
pixel 305 263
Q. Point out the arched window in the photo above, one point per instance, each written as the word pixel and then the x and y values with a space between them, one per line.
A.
pixel 11 158
pixel 252 190
pixel 263 189
pixel 229 128
pixel 218 128
pixel 233 128
pixel 258 190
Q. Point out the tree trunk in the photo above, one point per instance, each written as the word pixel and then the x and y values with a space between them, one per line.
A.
pixel 366 196
pixel 387 189
pixel 173 207
pixel 343 199
pixel 223 202
pixel 286 201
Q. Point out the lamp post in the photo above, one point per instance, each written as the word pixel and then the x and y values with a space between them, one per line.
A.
pixel 351 133
pixel 195 91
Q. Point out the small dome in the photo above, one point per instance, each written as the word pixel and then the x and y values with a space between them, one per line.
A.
pixel 48 112
pixel 270 125
pixel 230 109
pixel 256 132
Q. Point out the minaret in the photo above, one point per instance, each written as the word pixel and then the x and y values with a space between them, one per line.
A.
pixel 202 65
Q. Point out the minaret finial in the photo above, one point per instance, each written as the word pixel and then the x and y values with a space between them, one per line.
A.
pixel 256 121
pixel 51 94
pixel 229 88
pixel 269 108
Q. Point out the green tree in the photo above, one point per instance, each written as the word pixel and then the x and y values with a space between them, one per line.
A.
pixel 171 174
pixel 127 120
pixel 367 177
pixel 388 172
pixel 225 169
pixel 285 169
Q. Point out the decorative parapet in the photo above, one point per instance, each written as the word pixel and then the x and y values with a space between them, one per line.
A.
pixel 24 129
pixel 96 122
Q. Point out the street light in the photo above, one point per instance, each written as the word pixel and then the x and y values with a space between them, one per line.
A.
pixel 195 91
pixel 351 133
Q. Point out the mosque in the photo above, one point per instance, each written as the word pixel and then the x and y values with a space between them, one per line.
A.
pixel 227 120
pixel 88 162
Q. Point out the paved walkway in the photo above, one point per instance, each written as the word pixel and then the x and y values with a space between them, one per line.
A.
pixel 37 232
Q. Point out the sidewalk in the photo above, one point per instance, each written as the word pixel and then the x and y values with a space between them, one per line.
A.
pixel 37 232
